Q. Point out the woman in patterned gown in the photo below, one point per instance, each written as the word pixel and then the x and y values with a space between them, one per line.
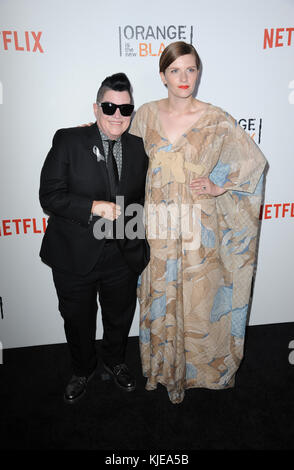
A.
pixel 203 196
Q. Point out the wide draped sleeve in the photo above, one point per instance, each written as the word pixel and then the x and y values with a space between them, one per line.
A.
pixel 240 170
pixel 241 162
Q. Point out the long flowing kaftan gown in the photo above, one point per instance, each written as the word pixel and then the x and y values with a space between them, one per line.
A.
pixel 194 293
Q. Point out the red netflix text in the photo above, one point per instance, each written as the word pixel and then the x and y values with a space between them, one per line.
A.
pixel 26 41
pixel 10 227
pixel 278 37
pixel 277 211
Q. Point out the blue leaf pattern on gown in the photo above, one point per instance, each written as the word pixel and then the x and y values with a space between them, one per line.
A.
pixel 171 270
pixel 207 237
pixel 222 304
pixel 191 371
pixel 219 174
pixel 145 335
pixel 158 307
pixel 239 316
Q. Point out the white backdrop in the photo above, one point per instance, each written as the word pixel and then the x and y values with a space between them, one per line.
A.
pixel 54 55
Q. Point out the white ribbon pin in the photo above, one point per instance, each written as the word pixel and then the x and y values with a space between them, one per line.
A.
pixel 98 154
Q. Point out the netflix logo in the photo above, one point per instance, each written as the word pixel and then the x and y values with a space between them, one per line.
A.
pixel 276 211
pixel 278 37
pixel 10 227
pixel 26 41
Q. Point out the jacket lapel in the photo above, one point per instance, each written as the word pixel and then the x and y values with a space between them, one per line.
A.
pixel 96 149
pixel 125 163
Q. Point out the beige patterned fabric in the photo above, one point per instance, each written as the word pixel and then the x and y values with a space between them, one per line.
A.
pixel 194 293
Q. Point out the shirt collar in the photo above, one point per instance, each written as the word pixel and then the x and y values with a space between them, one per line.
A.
pixel 105 137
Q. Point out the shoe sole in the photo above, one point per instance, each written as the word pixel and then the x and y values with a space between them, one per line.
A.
pixel 111 375
pixel 72 401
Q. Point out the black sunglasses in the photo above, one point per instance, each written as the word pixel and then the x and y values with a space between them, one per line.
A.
pixel 110 108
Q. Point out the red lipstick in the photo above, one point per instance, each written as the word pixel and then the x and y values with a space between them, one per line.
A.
pixel 184 87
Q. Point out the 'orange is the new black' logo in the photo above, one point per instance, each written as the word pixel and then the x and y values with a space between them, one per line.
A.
pixel 151 40
pixel 253 126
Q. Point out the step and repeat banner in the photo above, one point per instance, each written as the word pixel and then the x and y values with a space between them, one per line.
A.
pixel 54 55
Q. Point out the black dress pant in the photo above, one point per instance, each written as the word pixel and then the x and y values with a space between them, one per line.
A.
pixel 116 285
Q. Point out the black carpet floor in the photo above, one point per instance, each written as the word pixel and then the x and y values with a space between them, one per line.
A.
pixel 257 414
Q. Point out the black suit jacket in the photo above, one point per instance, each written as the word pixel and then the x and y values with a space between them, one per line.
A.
pixel 71 179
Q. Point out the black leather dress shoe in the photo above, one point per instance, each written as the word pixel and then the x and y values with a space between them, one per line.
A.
pixel 76 388
pixel 122 377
